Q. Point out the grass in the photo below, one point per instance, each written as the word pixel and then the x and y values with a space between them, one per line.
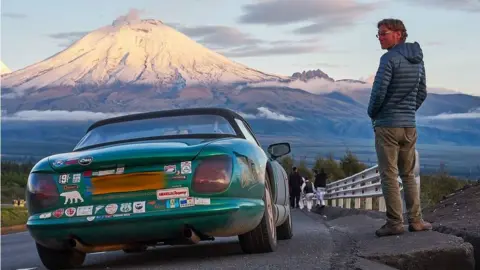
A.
pixel 14 216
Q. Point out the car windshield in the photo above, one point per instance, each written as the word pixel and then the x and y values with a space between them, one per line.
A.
pixel 157 127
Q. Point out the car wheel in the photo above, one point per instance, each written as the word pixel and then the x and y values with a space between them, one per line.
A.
pixel 285 231
pixel 263 238
pixel 60 259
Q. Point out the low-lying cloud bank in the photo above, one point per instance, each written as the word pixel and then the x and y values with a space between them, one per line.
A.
pixel 322 86
pixel 473 114
pixel 266 113
pixel 54 115
pixel 316 86
pixel 59 115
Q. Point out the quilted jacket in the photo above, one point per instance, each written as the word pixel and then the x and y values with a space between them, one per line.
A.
pixel 399 88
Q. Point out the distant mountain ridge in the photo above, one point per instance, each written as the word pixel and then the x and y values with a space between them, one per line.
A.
pixel 146 65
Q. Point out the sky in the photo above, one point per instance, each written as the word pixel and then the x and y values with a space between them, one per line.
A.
pixel 275 36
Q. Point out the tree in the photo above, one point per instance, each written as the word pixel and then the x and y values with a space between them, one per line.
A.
pixel 304 170
pixel 287 163
pixel 351 165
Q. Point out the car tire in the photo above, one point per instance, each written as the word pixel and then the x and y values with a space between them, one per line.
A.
pixel 60 259
pixel 285 231
pixel 263 238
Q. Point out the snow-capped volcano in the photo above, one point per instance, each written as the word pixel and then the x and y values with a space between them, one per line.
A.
pixel 137 52
pixel 4 69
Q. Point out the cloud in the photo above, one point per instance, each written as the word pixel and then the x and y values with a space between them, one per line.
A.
pixel 232 42
pixel 67 38
pixel 266 113
pixel 446 116
pixel 275 50
pixel 58 115
pixel 321 16
pixel 13 15
pixel 218 36
pixel 133 15
pixel 462 5
pixel 315 86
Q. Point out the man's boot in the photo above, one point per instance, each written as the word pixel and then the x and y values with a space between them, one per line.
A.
pixel 390 229
pixel 420 225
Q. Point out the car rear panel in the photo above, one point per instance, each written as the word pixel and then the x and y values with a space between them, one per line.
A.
pixel 144 188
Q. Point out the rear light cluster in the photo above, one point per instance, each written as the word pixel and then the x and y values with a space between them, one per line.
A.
pixel 42 192
pixel 213 174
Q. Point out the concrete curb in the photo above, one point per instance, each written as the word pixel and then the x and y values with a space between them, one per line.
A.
pixel 14 229
pixel 412 251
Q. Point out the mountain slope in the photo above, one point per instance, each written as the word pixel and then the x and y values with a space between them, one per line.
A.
pixel 143 52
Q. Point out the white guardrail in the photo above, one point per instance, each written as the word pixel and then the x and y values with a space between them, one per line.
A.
pixel 360 190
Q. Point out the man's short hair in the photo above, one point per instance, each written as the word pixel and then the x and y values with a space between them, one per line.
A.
pixel 394 25
pixel 294 168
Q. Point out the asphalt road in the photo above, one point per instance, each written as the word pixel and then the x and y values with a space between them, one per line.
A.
pixel 313 246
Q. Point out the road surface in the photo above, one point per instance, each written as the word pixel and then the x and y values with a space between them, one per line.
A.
pixel 313 246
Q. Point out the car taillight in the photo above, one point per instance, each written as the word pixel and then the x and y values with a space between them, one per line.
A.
pixel 42 192
pixel 213 174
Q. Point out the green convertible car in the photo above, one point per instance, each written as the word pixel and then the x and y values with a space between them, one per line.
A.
pixel 167 177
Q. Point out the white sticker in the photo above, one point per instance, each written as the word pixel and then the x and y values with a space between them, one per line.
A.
pixel 202 201
pixel 111 208
pixel 90 218
pixel 106 172
pixel 186 167
pixel 139 207
pixel 172 193
pixel 76 178
pixel 63 179
pixel 120 170
pixel 85 210
pixel 70 212
pixel 187 202
pixel 126 207
pixel 71 197
pixel 170 169
pixel 46 215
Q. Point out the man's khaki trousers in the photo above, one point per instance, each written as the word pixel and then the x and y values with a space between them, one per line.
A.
pixel 396 157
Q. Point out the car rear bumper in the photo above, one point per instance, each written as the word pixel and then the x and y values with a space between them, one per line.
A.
pixel 223 217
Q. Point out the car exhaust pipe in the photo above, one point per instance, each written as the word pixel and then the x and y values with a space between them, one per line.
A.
pixel 191 236
pixel 74 243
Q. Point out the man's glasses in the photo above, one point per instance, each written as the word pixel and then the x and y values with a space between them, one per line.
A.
pixel 382 34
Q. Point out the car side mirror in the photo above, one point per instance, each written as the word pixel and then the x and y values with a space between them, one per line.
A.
pixel 279 149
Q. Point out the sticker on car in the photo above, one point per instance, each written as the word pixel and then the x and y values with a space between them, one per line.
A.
pixel 172 193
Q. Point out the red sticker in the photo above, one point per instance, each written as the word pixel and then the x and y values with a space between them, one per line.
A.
pixel 58 213
pixel 70 212
pixel 71 161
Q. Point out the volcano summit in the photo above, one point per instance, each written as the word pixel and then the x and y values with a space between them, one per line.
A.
pixel 143 52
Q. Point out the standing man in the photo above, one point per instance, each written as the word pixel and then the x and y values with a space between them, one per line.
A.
pixel 294 184
pixel 320 185
pixel 398 92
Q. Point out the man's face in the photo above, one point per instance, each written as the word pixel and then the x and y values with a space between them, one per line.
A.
pixel 387 37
